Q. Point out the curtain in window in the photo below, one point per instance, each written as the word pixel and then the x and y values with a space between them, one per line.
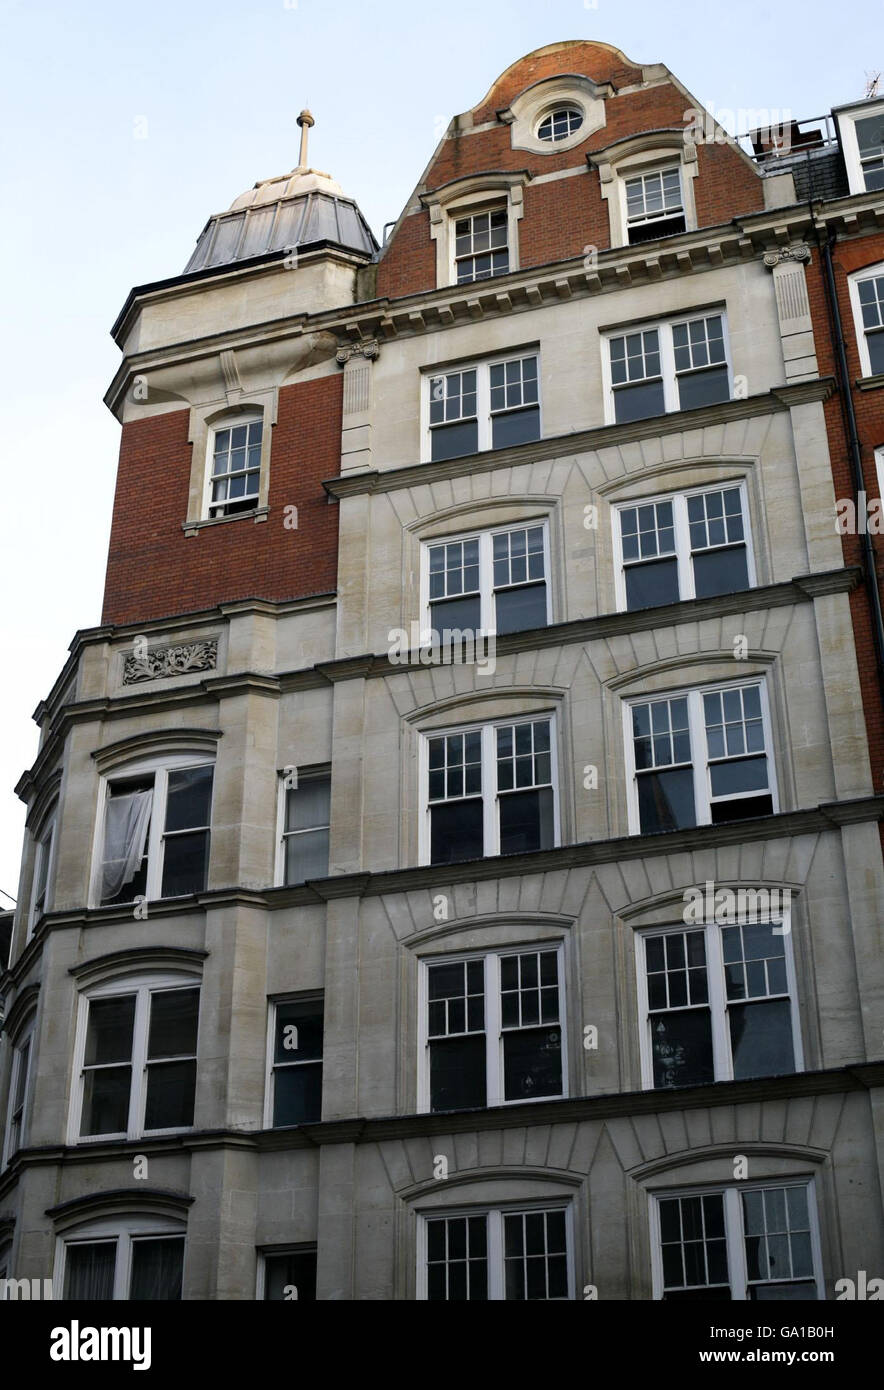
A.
pixel 125 836
pixel 89 1270
pixel 156 1269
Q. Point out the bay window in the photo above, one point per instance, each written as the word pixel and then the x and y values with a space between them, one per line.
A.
pixel 19 1091
pixel 44 870
pixel 156 833
pixel 489 789
pixel 123 1259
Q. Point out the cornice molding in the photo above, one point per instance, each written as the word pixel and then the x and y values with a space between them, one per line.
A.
pixel 151 741
pixel 779 398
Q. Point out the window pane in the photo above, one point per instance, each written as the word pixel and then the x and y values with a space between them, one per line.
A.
pixel 519 609
pixel 450 441
pixel 157 1267
pixel 681 1048
pixel 651 584
pixel 174 1014
pixel 106 1100
pixel 720 571
pixel 109 1035
pixel 171 1087
pixel 743 808
pixel 291 1273
pixel 738 775
pixel 89 1270
pixel 526 821
pixel 298 1031
pixel 666 800
pixel 297 1095
pixel 761 1038
pixel 456 831
pixel 875 343
pixel 703 388
pixel 515 427
pixel 638 402
pixel 185 863
pixel 457 1072
pixel 308 804
pixel 189 798
pixel 306 856
pixel 532 1063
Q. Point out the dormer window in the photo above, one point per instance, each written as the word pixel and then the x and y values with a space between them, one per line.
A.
pixel 559 124
pixel 654 204
pixel 236 467
pixel 861 130
pixel 481 247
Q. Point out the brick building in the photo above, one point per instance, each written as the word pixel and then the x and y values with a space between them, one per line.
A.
pixel 452 866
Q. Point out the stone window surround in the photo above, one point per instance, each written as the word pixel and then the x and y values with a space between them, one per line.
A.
pixel 528 109
pixel 642 154
pixel 468 195
pixel 125 1229
pixel 846 118
pixel 204 420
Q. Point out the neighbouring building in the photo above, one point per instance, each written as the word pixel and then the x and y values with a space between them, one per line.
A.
pixel 453 865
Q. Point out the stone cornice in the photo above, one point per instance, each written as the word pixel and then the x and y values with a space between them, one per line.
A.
pixel 801 589
pixel 778 399
pixel 858 1078
pixel 816 820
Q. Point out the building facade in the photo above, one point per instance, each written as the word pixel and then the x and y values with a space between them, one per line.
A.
pixel 453 865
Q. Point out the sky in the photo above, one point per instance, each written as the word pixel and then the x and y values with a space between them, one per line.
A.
pixel 123 127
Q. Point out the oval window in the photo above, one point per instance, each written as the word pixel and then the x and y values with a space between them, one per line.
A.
pixel 559 124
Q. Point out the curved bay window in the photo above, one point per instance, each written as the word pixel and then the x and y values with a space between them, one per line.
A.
pixel 156 833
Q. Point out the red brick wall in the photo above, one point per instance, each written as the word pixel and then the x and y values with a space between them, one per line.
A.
pixel 564 216
pixel 847 257
pixel 155 571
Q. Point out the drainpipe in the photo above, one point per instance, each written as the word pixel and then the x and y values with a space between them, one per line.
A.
pixel 854 451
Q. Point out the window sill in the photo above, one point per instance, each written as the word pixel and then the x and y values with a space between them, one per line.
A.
pixel 192 528
pixel 870 383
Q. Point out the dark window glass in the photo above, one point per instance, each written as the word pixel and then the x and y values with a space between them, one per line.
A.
pixel 761 1038
pixel 457 1072
pixel 297 1056
pixel 652 584
pixel 157 1268
pixel 455 615
pixel 721 571
pixel 744 808
pixel 291 1275
pixel 107 1087
pixel 681 1046
pixel 189 798
pixel 456 831
pixel 457 1259
pixel 307 816
pixel 783 1293
pixel 738 775
pixel 875 343
pixel 666 800
pixel 106 1100
pixel 638 402
pixel 89 1271
pixel 174 1017
pixel 526 821
pixel 515 427
pixel 171 1085
pixel 185 864
pixel 703 388
pixel 451 441
pixel 532 1063
pixel 109 1035
pixel 519 609
pixel 649 231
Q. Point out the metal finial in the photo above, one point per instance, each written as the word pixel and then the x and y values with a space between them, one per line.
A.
pixel 305 121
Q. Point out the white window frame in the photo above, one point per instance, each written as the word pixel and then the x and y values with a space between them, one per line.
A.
pixel 482 368
pixel 304 775
pixel 663 327
pixel 493 204
pixel 549 112
pixel 159 769
pixel 45 850
pixel 491 826
pixel 627 175
pixel 23 1038
pixel 314 997
pixel 868 272
pixel 494 1247
pixel 230 422
pixel 717 1003
pixel 700 765
pixel 124 1231
pixel 856 178
pixel 682 536
pixel 494 1059
pixel 733 1225
pixel 268 1253
pixel 143 986
pixel 486 571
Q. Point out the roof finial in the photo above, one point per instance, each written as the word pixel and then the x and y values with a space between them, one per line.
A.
pixel 305 121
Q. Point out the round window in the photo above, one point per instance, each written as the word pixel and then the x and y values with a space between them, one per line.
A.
pixel 560 123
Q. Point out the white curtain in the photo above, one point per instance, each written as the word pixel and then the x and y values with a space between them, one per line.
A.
pixel 125 835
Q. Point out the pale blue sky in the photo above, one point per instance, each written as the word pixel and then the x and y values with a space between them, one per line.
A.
pixel 215 86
